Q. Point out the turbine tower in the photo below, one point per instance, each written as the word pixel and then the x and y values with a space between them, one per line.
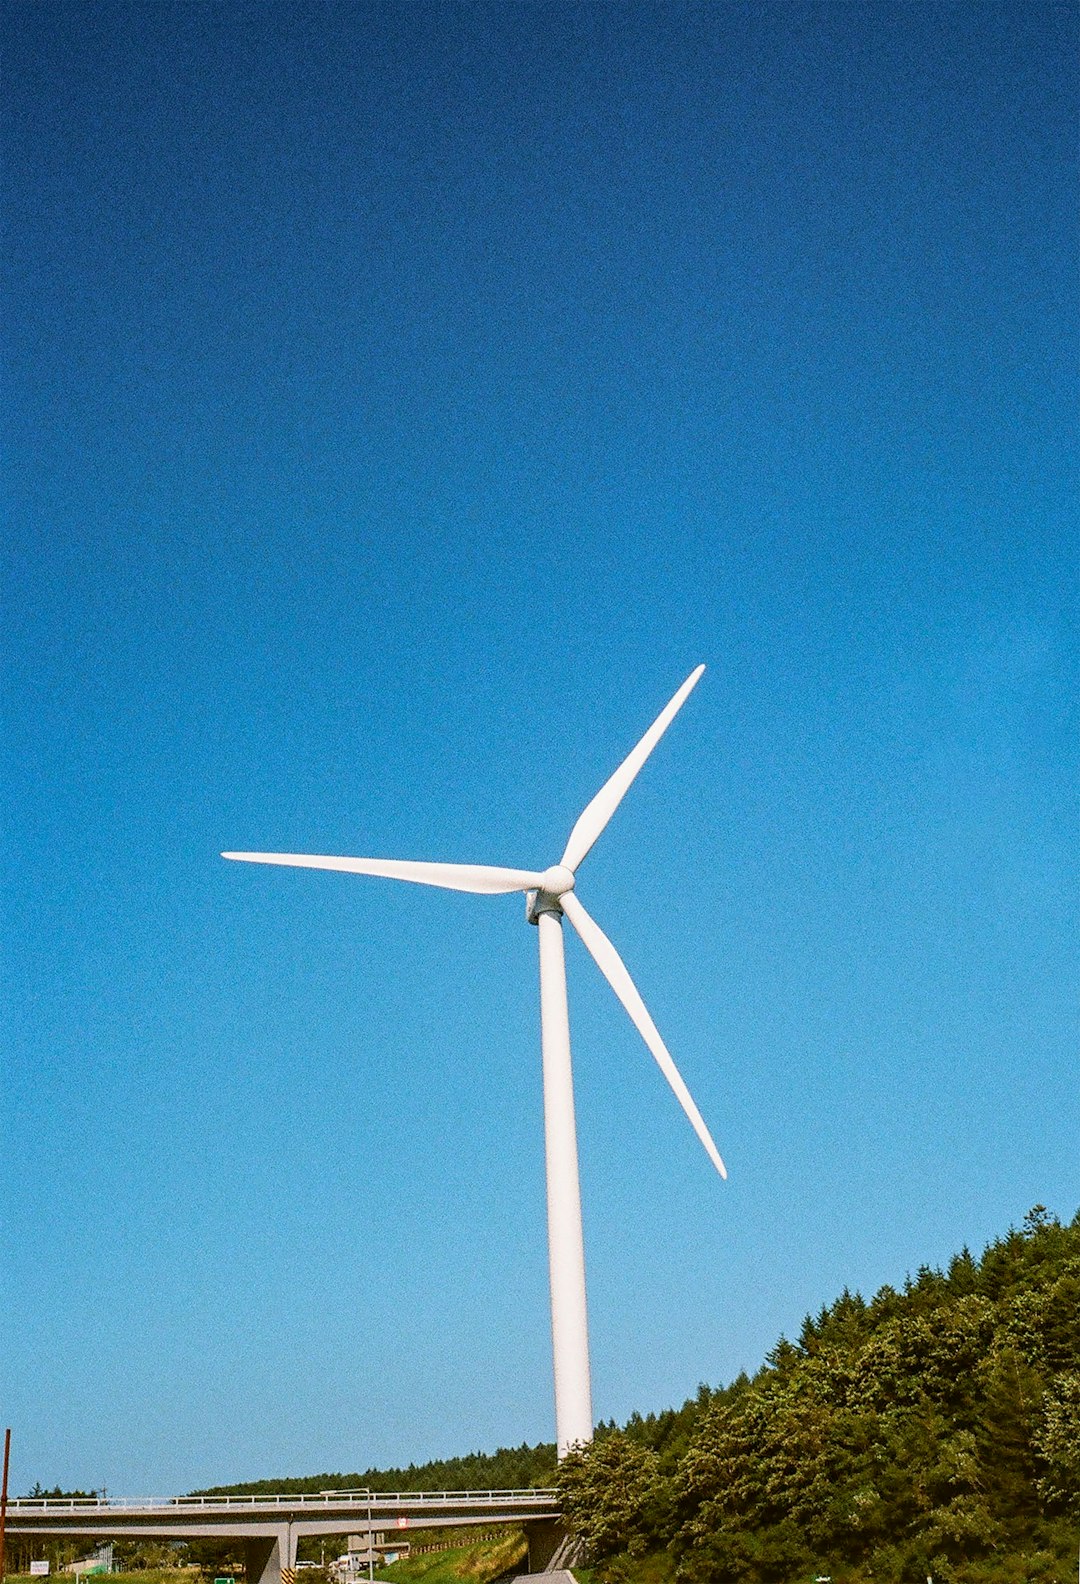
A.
pixel 551 896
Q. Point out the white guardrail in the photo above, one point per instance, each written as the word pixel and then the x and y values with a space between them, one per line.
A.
pixel 344 1498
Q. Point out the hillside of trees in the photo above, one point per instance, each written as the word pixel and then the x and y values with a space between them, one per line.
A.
pixel 510 1468
pixel 930 1432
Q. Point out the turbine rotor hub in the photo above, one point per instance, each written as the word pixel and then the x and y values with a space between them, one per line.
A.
pixel 558 880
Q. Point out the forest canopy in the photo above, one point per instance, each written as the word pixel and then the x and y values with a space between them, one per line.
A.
pixel 933 1431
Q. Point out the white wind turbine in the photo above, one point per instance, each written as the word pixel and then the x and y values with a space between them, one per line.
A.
pixel 550 895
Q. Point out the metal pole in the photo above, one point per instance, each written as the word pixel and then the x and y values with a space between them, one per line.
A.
pixel 3 1499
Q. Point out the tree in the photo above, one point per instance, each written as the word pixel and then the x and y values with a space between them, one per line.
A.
pixel 609 1492
pixel 1057 1444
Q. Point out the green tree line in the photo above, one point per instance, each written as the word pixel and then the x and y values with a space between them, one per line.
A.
pixel 509 1468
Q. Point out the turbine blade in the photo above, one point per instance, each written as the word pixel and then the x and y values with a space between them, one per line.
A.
pixel 611 966
pixel 597 813
pixel 481 878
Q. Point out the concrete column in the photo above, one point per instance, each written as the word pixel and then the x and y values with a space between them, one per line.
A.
pixel 545 1535
pixel 267 1556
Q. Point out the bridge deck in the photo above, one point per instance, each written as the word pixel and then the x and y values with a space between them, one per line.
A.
pixel 281 1516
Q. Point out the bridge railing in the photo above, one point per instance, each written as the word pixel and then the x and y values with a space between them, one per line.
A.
pixel 361 1499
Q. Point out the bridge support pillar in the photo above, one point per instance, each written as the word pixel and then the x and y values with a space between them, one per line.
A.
pixel 271 1559
pixel 545 1537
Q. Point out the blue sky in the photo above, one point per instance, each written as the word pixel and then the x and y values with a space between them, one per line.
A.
pixel 401 399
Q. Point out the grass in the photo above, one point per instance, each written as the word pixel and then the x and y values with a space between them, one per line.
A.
pixel 143 1576
pixel 478 1563
pixel 475 1562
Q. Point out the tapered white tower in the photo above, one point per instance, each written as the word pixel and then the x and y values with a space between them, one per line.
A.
pixel 566 1244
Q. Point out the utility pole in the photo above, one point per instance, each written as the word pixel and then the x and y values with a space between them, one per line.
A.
pixel 3 1499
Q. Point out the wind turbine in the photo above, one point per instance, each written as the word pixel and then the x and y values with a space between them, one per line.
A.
pixel 551 894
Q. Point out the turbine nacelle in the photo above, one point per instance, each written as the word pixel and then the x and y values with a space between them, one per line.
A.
pixel 556 882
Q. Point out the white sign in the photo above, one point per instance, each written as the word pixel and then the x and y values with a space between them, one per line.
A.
pixel 39 1567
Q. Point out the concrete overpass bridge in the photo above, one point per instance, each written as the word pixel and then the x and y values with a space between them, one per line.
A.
pixel 270 1526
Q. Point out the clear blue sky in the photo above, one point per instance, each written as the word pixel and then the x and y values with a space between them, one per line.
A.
pixel 401 398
